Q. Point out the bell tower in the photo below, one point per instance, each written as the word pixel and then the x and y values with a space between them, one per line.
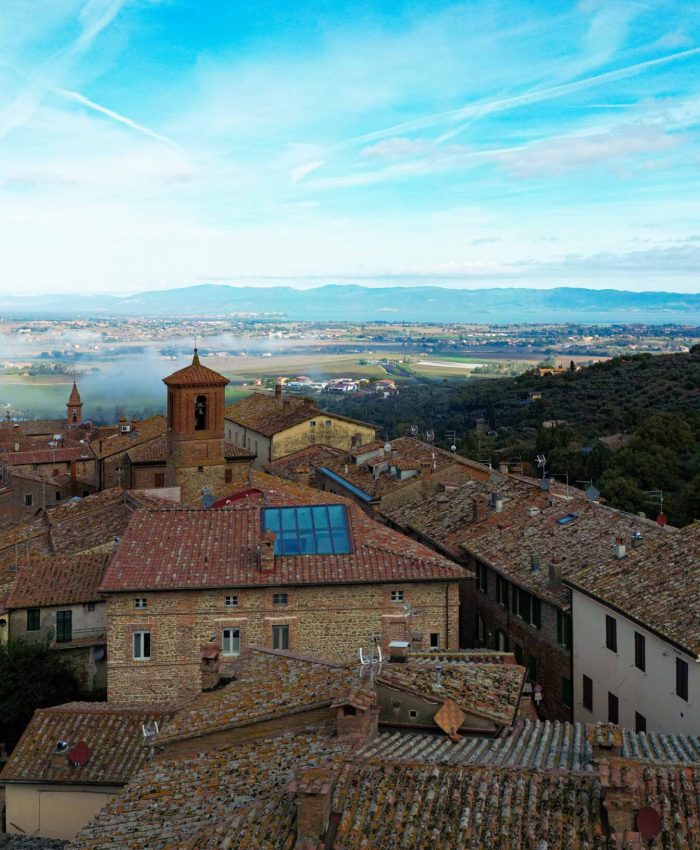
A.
pixel 74 406
pixel 195 430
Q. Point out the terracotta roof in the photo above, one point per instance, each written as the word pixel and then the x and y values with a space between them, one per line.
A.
pixel 113 735
pixel 663 567
pixel 304 461
pixel 196 375
pixel 485 690
pixel 268 414
pixel 147 429
pixel 33 427
pixel 219 548
pixel 57 455
pixel 74 397
pixel 267 684
pixel 57 580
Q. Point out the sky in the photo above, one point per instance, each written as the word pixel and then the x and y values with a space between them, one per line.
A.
pixel 150 144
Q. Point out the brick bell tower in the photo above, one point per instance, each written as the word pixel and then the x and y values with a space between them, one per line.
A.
pixel 195 431
pixel 74 406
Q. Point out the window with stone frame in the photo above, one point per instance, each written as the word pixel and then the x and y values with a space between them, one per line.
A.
pixel 231 601
pixel 280 637
pixel 397 595
pixel 280 599
pixel 231 643
pixel 141 645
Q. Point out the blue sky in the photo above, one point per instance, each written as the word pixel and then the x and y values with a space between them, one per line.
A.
pixel 154 143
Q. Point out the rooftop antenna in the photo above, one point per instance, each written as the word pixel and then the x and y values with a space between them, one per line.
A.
pixel 430 436
pixel 413 430
pixel 371 665
pixel 542 464
pixel 149 730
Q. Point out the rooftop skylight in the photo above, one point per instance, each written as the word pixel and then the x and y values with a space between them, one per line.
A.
pixel 309 530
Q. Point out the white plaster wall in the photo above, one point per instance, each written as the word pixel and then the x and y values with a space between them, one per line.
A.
pixel 651 692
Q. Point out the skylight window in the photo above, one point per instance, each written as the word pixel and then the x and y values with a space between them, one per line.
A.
pixel 565 520
pixel 311 530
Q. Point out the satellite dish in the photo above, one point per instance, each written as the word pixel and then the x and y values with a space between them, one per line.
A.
pixel 592 493
pixel 207 500
pixel 98 653
pixel 387 448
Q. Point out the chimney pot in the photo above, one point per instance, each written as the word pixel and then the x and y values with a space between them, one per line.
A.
pixel 278 389
pixel 555 572
pixel 503 468
pixel 266 550
pixel 479 507
pixel 620 548
pixel 313 787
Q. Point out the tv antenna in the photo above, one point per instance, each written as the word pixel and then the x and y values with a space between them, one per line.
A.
pixel 430 436
pixel 371 665
pixel 413 430
pixel 149 729
pixel 542 464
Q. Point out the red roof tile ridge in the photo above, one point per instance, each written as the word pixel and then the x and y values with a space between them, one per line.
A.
pixel 295 656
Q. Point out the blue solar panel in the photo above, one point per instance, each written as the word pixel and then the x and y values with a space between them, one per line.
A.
pixel 309 530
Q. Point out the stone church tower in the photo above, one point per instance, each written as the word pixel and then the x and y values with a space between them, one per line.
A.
pixel 196 459
pixel 75 406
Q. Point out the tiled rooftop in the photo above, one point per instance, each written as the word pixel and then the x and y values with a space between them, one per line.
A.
pixel 267 684
pixel 114 736
pixel 196 375
pixel 303 461
pixel 219 548
pixel 57 455
pixel 57 580
pixel 665 568
pixel 268 414
pixel 147 429
pixel 156 451
pixel 486 690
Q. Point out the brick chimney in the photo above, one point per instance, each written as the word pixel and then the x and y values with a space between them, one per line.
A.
pixel 356 714
pixel 426 470
pixel 620 548
pixel 313 787
pixel 209 665
pixel 266 550
pixel 278 389
pixel 59 757
pixel 556 569
pixel 479 507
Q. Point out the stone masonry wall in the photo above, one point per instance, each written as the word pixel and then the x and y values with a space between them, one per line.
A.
pixel 332 622
pixel 192 481
pixel 338 434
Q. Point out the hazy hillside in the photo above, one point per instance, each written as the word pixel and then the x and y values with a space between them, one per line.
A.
pixel 400 303
pixel 655 400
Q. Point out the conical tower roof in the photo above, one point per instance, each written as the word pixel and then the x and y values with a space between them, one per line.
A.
pixel 195 375
pixel 74 397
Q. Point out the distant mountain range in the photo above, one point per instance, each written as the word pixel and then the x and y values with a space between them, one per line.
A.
pixel 358 303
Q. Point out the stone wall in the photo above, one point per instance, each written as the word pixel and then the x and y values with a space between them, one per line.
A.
pixel 332 622
pixel 193 479
pixel 338 434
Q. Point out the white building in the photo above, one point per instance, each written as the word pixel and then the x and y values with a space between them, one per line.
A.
pixel 636 626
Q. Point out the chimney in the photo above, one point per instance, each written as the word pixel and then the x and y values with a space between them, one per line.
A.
pixel 479 507
pixel 266 550
pixel 498 504
pixel 313 787
pixel 398 651
pixel 620 548
pixel 503 468
pixel 621 787
pixel 209 665
pixel 426 470
pixel 59 757
pixel 16 447
pixel 555 571
pixel 438 677
pixel 357 715
pixel 278 389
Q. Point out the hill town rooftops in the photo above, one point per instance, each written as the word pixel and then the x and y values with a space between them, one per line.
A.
pixel 57 580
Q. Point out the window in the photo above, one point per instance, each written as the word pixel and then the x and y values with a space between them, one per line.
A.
pixel 159 479
pixel 280 637
pixel 58 495
pixel 312 423
pixel 228 476
pixel 536 612
pixel 587 693
pixel 140 603
pixel 640 651
pixel 327 423
pixel 567 692
pixel 232 642
pixel 64 626
pixel 483 578
pixel 519 654
pixel 682 678
pixel 564 629
pixel 524 605
pixel 434 639
pixel 611 633
pixel 200 413
pixel 279 599
pixel 412 713
pixel 27 499
pixel 613 708
pixel 501 641
pixel 640 722
pixel 230 601
pixel 480 628
pixel 532 668
pixel 33 619
pixel 200 469
pixel 91 606
pixel 142 646
pixel 397 595
pixel 502 591
pixel 310 530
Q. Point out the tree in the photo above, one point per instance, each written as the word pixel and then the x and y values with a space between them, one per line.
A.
pixel 31 677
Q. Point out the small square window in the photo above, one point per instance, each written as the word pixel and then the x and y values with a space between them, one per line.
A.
pixel 230 601
pixel 140 603
pixel 142 646
pixel 279 599
pixel 412 713
pixel 200 469
pixel 91 606
pixel 327 423
pixel 27 500
pixel 312 423
pixel 397 595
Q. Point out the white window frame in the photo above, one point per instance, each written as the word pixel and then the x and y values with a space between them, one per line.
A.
pixel 398 595
pixel 140 603
pixel 140 645
pixel 231 601
pixel 228 636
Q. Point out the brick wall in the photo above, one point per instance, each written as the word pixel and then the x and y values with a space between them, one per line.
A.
pixel 553 660
pixel 331 622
